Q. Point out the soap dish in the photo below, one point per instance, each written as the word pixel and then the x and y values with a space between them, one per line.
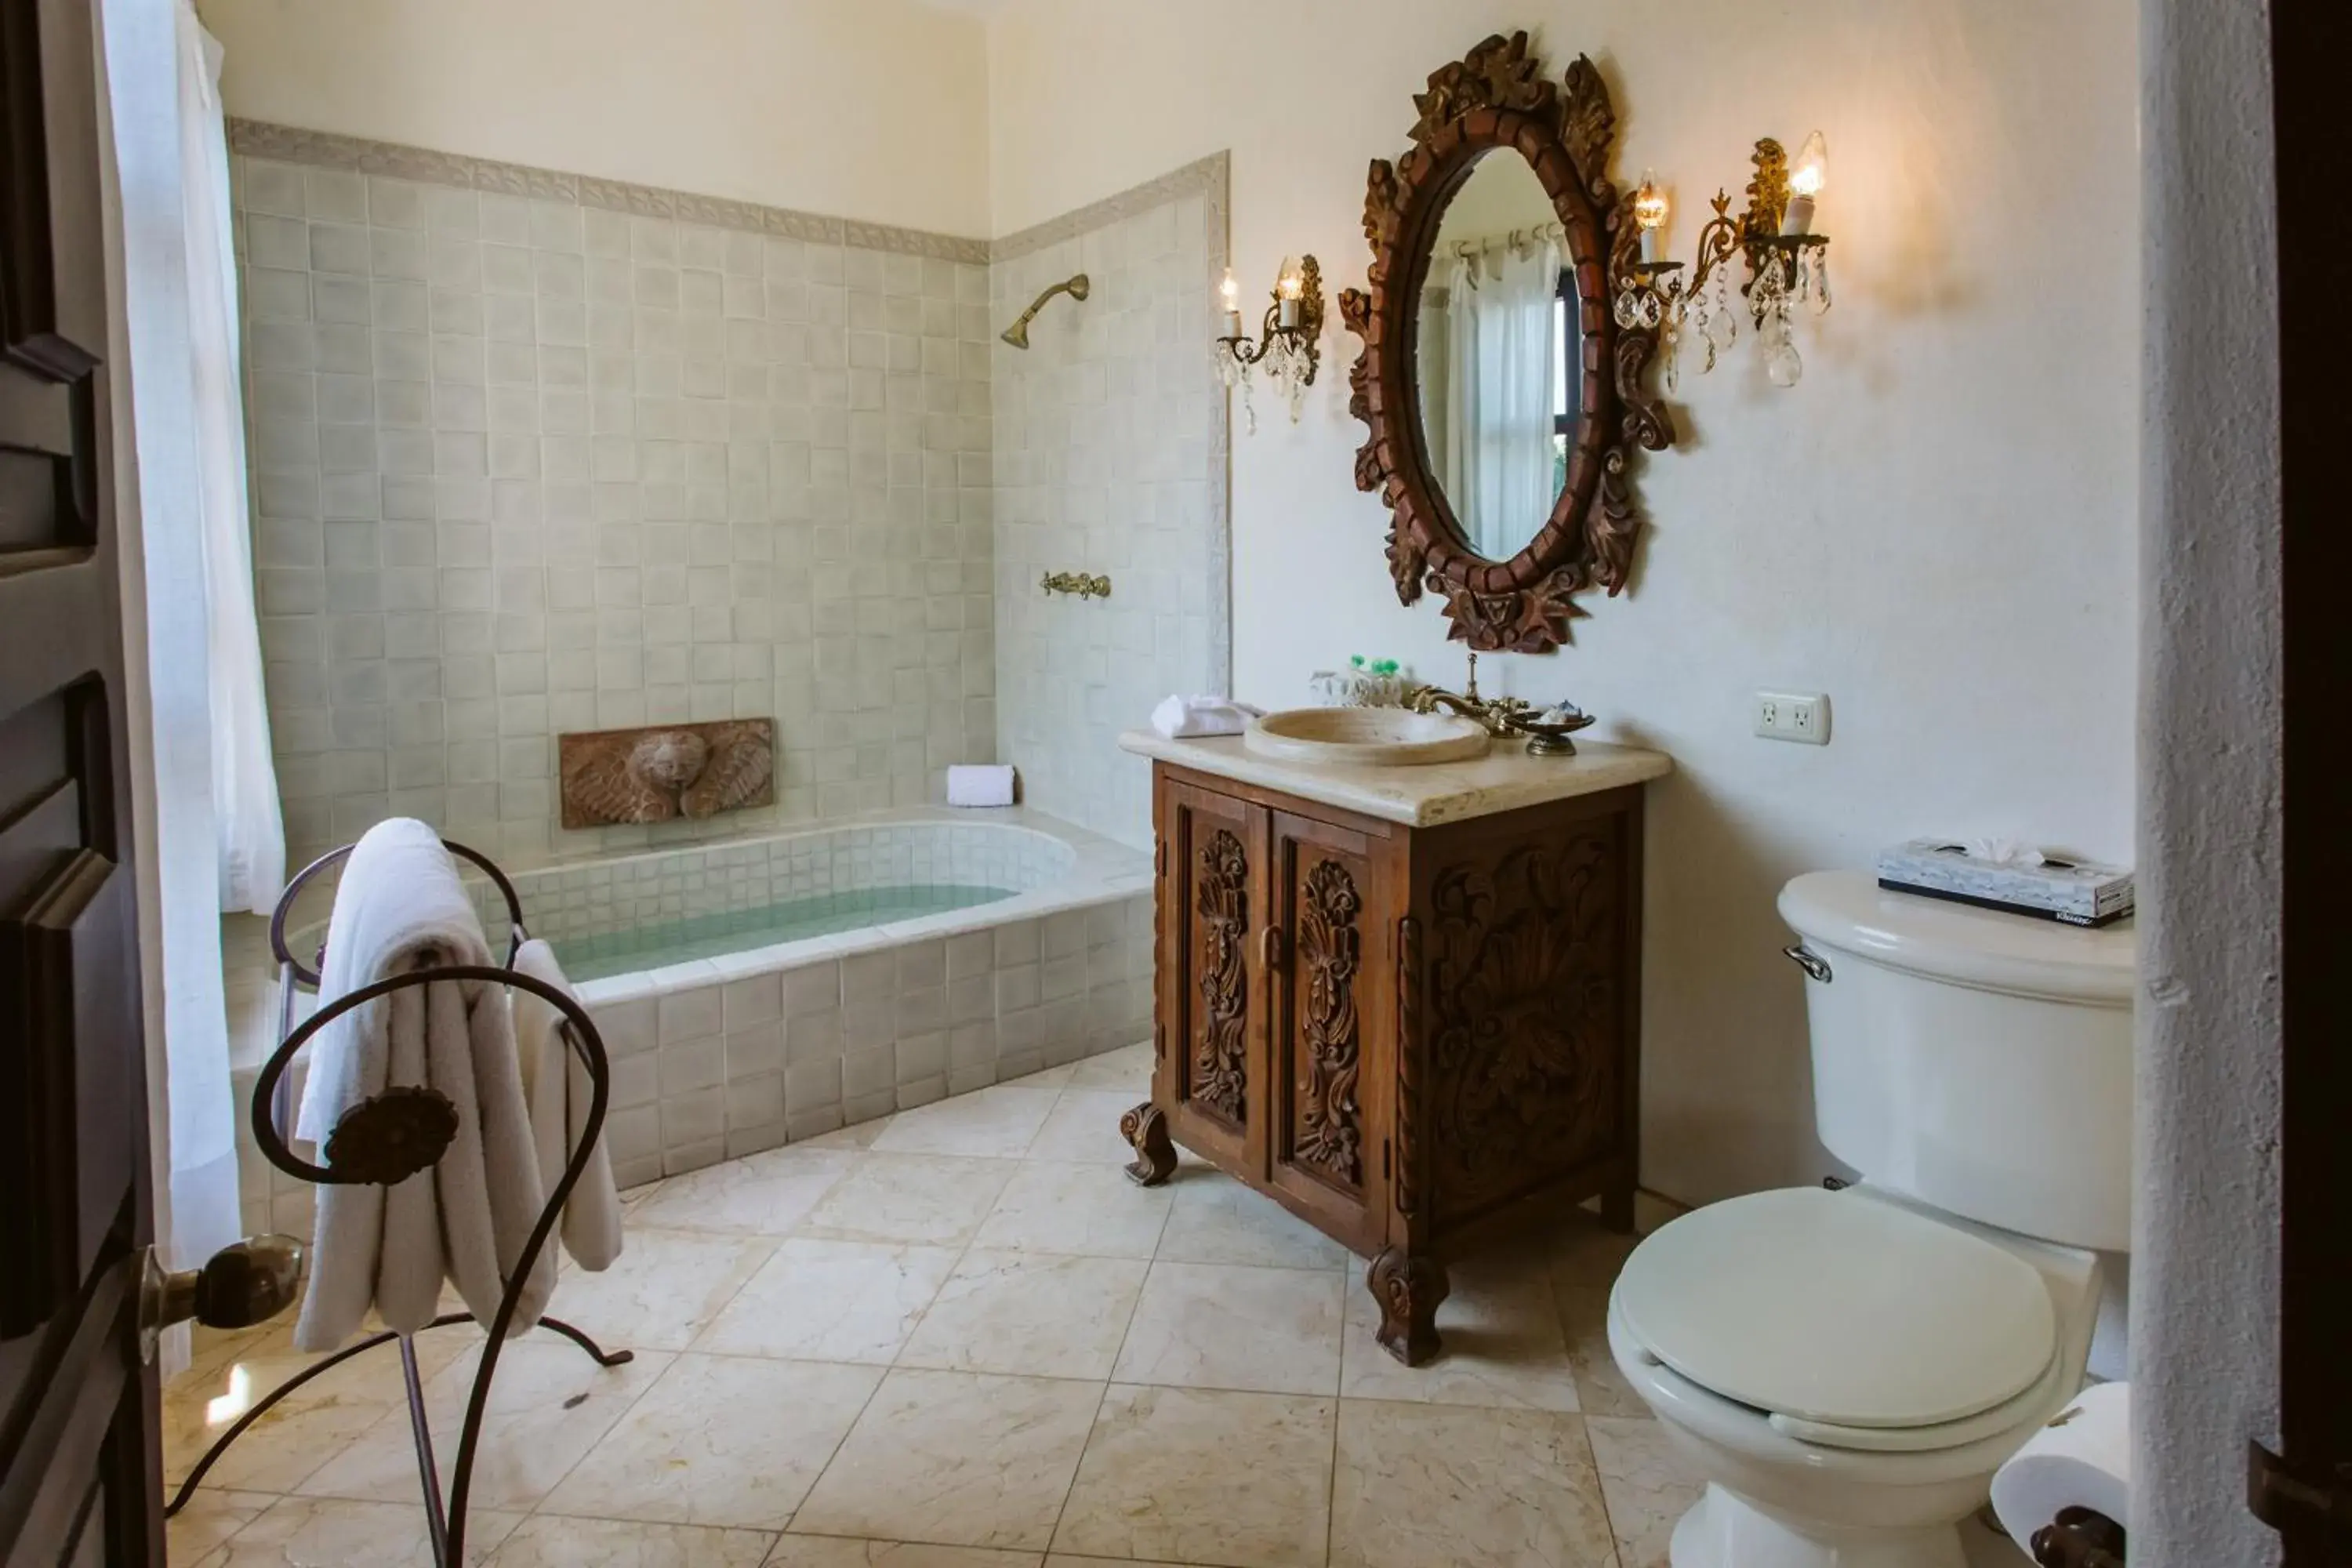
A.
pixel 1552 740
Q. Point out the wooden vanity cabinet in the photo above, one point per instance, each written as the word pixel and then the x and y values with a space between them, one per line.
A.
pixel 1410 1037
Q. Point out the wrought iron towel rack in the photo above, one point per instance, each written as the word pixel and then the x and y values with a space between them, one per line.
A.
pixel 418 1122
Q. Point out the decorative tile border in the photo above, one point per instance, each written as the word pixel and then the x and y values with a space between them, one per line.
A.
pixel 1211 176
pixel 260 138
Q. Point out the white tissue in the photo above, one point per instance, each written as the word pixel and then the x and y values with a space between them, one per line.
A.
pixel 2079 1460
pixel 970 784
pixel 2002 852
pixel 1187 718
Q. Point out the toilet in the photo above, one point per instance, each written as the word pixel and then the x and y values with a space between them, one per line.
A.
pixel 1846 1369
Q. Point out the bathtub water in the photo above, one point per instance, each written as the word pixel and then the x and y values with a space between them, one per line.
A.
pixel 714 935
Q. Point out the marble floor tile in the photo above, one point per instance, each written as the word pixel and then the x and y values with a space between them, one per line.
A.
pixel 1210 1325
pixel 549 1403
pixel 837 1551
pixel 1029 1313
pixel 1215 1219
pixel 831 1300
pixel 312 1424
pixel 210 1518
pixel 1645 1483
pixel 1502 1344
pixel 720 1440
pixel 857 1135
pixel 1424 1486
pixel 766 1195
pixel 956 1458
pixel 1601 1388
pixel 931 1200
pixel 665 1287
pixel 1080 1209
pixel 997 1123
pixel 1583 1253
pixel 1183 1475
pixel 311 1532
pixel 548 1542
pixel 1084 1128
pixel 1127 1069
pixel 1044 1077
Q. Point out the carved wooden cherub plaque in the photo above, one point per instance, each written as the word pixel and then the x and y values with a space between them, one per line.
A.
pixel 666 771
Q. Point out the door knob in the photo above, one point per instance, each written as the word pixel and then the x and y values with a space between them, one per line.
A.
pixel 247 1282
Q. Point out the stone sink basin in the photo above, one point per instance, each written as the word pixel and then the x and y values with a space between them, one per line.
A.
pixel 1366 737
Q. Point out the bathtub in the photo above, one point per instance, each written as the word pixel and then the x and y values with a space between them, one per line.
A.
pixel 964 951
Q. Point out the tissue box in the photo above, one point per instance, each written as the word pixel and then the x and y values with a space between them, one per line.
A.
pixel 2078 892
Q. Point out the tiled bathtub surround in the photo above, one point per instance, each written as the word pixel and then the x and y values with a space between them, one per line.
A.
pixel 534 453
pixel 1111 457
pixel 718 1058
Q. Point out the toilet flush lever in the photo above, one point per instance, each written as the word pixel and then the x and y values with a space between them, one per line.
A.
pixel 1814 966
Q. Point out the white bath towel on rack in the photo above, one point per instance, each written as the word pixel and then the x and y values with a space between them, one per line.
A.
pixel 399 909
pixel 557 1088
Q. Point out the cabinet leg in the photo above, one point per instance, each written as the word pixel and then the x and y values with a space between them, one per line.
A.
pixel 1617 1209
pixel 1146 1130
pixel 1408 1287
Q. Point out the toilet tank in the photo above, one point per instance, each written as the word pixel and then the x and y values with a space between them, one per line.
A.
pixel 1978 1061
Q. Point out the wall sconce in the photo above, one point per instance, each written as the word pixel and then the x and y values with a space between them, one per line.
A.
pixel 1289 344
pixel 1788 264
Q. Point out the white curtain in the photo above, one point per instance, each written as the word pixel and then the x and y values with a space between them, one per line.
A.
pixel 1501 344
pixel 245 783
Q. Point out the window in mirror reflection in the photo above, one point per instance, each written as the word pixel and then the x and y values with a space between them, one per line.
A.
pixel 1493 344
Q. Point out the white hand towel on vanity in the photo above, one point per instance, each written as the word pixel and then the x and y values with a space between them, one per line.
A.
pixel 1187 718
pixel 556 1087
pixel 399 907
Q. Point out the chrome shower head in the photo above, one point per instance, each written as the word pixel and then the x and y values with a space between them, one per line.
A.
pixel 1077 288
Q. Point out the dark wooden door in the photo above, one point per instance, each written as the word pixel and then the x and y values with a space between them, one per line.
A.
pixel 1212 924
pixel 1333 995
pixel 79 1466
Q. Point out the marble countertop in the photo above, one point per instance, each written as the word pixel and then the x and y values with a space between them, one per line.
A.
pixel 1504 779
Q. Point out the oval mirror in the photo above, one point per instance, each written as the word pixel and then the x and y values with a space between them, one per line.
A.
pixel 1503 398
pixel 1496 331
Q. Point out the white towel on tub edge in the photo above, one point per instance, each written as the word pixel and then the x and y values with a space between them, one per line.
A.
pixel 400 906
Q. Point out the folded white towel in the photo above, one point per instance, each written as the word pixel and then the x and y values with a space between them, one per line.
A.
pixel 1187 718
pixel 979 783
pixel 556 1085
pixel 400 907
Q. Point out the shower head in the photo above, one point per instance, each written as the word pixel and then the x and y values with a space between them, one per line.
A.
pixel 1017 335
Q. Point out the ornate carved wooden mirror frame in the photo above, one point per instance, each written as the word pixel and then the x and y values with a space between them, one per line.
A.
pixel 1497 99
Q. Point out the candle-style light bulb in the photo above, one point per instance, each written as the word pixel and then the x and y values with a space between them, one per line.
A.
pixel 1229 294
pixel 1650 209
pixel 1289 289
pixel 1807 175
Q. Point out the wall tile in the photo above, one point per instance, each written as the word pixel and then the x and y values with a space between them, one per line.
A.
pixel 628 372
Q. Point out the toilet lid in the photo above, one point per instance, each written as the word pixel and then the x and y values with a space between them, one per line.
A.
pixel 1838 1308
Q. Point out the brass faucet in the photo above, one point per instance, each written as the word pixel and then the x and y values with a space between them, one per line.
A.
pixel 1498 714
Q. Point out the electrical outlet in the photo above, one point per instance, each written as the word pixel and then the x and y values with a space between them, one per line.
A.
pixel 1799 716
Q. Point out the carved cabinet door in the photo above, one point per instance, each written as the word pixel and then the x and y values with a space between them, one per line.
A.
pixel 1213 923
pixel 1329 1072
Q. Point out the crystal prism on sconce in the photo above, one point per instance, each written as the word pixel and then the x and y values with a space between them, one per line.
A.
pixel 1288 348
pixel 1787 262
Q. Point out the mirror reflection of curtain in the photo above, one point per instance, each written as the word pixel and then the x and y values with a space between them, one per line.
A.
pixel 1501 345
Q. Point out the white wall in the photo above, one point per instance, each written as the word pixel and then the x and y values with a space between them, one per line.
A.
pixel 2205 1321
pixel 1936 527
pixel 874 109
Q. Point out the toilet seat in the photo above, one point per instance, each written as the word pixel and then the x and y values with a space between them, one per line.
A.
pixel 1851 1321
